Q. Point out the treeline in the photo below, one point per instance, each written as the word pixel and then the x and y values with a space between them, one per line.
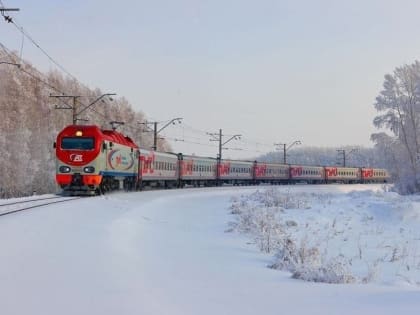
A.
pixel 30 123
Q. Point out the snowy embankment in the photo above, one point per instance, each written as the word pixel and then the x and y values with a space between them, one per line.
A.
pixel 335 237
pixel 167 252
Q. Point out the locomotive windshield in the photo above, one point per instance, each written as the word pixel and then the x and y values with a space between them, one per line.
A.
pixel 77 143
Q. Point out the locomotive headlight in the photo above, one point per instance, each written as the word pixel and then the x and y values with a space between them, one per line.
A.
pixel 89 169
pixel 64 169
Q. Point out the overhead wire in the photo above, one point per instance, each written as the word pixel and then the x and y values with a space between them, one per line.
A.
pixel 28 36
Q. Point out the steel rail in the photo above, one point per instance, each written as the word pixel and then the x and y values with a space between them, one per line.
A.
pixel 29 200
pixel 37 206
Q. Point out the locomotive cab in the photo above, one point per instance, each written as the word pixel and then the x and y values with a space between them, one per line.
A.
pixel 91 160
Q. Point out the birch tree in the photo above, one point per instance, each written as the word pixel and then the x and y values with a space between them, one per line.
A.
pixel 398 105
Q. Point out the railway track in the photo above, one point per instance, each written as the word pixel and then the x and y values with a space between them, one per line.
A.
pixel 17 206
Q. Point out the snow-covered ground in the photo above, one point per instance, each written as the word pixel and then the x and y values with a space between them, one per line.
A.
pixel 345 237
pixel 169 252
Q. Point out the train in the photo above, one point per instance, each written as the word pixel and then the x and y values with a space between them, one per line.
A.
pixel 93 161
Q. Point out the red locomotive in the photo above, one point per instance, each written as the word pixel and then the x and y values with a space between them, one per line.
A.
pixel 91 160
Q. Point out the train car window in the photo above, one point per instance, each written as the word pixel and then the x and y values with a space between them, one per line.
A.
pixel 77 143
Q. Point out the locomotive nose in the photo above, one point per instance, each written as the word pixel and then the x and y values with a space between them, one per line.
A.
pixel 77 179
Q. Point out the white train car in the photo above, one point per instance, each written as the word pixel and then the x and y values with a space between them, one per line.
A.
pixel 307 174
pixel 158 169
pixel 374 175
pixel 271 173
pixel 236 172
pixel 197 171
pixel 347 175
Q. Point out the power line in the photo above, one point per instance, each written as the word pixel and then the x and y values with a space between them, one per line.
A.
pixel 28 36
pixel 191 142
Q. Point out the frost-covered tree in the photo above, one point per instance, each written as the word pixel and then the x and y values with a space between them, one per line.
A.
pixel 398 105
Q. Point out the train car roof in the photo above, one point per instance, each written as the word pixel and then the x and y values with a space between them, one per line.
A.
pixel 110 135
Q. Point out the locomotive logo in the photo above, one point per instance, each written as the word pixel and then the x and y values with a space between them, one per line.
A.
pixel 76 157
pixel 120 160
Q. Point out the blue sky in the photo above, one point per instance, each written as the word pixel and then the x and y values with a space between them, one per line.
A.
pixel 273 71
